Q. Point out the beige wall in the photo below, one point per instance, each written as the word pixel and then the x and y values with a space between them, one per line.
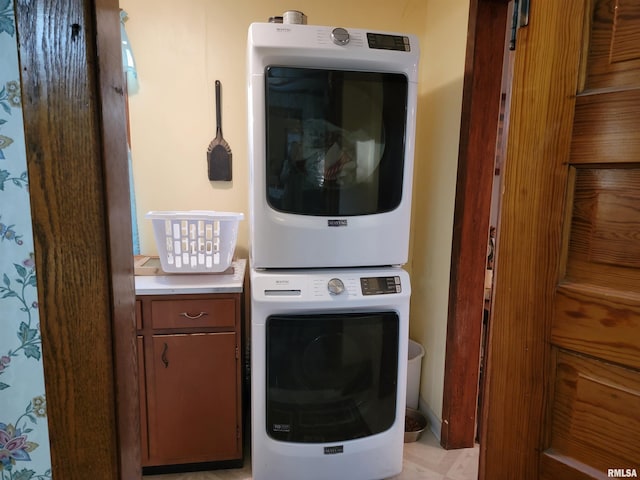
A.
pixel 182 48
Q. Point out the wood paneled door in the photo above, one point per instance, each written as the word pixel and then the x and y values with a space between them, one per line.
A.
pixel 564 355
pixel 594 402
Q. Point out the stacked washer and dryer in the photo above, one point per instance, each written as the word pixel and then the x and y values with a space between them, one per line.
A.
pixel 332 116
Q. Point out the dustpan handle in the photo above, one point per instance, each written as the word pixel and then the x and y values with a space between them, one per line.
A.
pixel 218 114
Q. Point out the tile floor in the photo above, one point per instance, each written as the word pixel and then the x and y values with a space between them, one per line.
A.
pixel 423 460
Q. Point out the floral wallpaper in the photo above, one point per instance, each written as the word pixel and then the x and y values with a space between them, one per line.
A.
pixel 24 435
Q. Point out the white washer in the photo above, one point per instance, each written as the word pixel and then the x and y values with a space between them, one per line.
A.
pixel 328 368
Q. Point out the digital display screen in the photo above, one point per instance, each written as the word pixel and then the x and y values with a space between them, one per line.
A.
pixel 388 42
pixel 380 285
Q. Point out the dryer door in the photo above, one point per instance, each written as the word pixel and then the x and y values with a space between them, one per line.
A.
pixel 335 141
pixel 331 377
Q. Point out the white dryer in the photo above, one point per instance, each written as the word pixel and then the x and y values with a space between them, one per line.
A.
pixel 332 118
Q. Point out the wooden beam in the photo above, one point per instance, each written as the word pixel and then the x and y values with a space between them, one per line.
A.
pixel 73 158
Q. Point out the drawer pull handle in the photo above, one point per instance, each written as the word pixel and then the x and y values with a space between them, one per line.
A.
pixel 193 317
pixel 164 358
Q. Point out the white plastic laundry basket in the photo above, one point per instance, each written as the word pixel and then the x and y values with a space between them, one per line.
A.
pixel 195 241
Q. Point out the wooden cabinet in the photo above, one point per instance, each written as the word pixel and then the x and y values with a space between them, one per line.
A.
pixel 190 378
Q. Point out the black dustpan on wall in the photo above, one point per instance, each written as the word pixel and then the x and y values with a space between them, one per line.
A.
pixel 219 151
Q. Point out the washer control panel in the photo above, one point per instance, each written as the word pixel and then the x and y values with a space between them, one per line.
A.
pixel 337 286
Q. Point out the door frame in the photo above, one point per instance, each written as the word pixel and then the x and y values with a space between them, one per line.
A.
pixel 478 133
pixel 117 452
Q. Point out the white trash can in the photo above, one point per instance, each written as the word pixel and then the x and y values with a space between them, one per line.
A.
pixel 414 370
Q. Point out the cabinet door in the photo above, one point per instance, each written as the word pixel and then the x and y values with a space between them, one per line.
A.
pixel 194 413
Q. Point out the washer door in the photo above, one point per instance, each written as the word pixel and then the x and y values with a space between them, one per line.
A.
pixel 331 377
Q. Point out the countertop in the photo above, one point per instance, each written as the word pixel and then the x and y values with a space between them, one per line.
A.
pixel 172 284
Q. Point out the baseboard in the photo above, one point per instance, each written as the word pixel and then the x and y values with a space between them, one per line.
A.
pixel 435 423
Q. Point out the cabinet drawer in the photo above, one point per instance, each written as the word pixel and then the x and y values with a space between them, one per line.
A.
pixel 193 313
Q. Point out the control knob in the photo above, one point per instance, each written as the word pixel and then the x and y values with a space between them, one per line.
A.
pixel 335 286
pixel 340 36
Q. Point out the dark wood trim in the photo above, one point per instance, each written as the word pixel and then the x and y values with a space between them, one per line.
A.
pixel 72 106
pixel 114 122
pixel 480 115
